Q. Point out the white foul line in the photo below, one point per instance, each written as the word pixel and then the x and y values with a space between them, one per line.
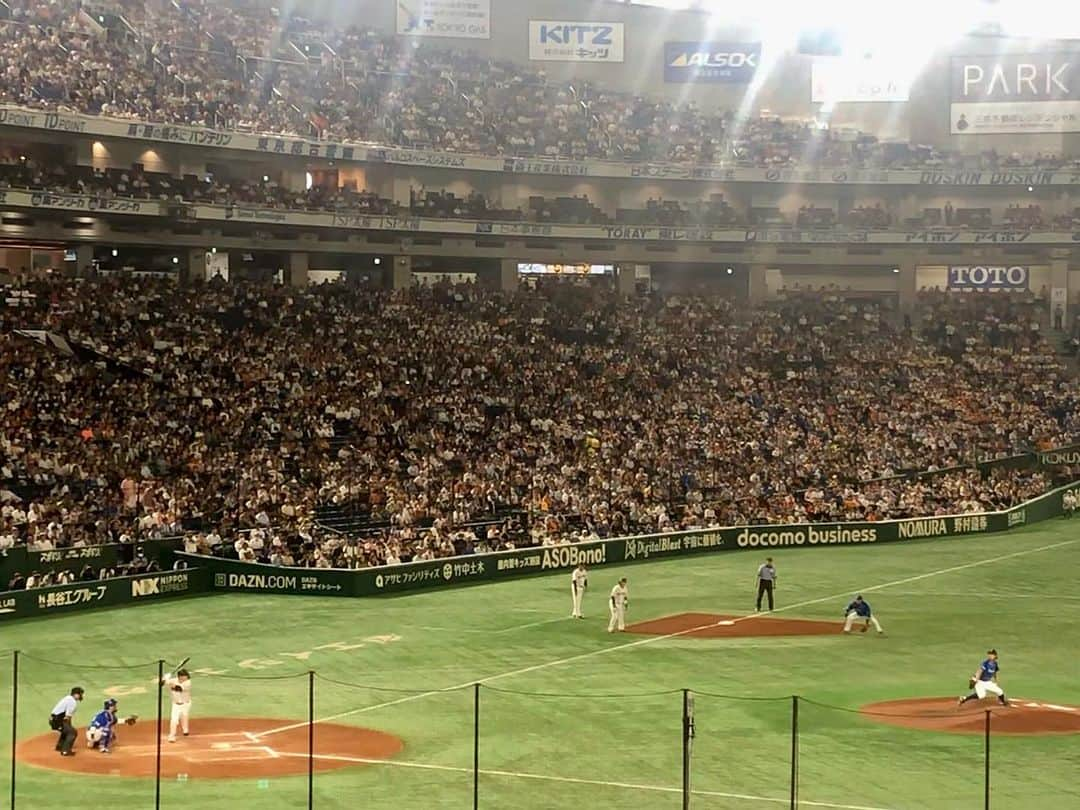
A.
pixel 574 781
pixel 653 639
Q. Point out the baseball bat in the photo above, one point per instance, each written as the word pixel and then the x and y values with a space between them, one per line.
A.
pixel 180 666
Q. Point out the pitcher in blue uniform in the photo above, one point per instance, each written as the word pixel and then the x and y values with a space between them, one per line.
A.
pixel 101 733
pixel 985 681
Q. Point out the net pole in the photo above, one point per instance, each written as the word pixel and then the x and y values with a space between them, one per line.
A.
pixel 687 744
pixel 157 756
pixel 794 779
pixel 14 718
pixel 476 748
pixel 311 740
pixel 986 761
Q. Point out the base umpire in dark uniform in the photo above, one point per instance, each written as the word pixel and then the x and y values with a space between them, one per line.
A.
pixel 60 720
pixel 766 582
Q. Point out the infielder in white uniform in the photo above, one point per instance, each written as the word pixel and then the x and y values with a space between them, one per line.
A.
pixel 579 581
pixel 179 687
pixel 620 599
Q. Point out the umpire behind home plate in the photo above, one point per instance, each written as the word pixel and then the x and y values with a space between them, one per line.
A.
pixel 60 720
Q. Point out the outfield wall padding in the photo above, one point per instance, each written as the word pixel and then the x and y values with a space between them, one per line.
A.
pixel 232 575
pixel 82 596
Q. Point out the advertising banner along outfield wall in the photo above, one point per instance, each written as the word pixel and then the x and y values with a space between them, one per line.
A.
pixel 232 575
pixel 79 596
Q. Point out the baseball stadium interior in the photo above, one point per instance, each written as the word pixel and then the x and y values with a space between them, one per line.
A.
pixel 378 298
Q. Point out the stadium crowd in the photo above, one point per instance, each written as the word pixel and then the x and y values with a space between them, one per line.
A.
pixel 23 172
pixel 252 69
pixel 458 418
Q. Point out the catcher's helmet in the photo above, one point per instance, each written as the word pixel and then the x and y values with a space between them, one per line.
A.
pixel 110 703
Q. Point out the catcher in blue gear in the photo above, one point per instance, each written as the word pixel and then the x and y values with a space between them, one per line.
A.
pixel 101 733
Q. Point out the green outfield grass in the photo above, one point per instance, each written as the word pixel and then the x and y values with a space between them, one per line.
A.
pixel 571 716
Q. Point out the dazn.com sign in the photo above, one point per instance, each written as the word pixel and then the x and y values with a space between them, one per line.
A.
pixel 988 277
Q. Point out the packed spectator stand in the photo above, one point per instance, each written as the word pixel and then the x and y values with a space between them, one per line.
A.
pixel 22 172
pixel 358 427
pixel 247 68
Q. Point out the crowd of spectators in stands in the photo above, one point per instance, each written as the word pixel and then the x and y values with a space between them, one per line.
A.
pixel 21 171
pixel 451 418
pixel 250 68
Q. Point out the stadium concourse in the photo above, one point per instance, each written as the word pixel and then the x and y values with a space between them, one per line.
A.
pixel 460 419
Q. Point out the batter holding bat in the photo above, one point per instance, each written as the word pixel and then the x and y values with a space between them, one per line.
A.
pixel 179 686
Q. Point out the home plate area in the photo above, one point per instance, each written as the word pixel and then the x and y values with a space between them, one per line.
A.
pixel 220 748
pixel 712 625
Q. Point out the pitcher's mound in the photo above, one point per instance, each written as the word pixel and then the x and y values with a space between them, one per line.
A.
pixel 942 714
pixel 219 748
pixel 711 625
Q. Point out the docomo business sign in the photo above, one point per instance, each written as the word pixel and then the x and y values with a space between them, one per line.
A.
pixel 1015 93
pixel 827 535
pixel 464 19
pixel 563 41
pixel 989 277
pixel 728 62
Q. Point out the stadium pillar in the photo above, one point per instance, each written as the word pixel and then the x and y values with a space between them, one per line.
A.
pixel 298 269
pixel 400 272
pixel 1059 288
pixel 84 260
pixel 756 289
pixel 626 280
pixel 508 275
pixel 196 265
pixel 906 288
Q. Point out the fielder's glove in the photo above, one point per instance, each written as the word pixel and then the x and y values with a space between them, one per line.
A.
pixel 178 688
pixel 971 683
pixel 130 721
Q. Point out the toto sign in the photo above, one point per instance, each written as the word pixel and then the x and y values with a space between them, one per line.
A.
pixel 988 277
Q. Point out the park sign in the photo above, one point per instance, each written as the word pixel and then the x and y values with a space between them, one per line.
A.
pixel 1014 92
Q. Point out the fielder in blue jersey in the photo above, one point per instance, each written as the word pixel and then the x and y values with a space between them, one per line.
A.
pixel 857 609
pixel 985 681
pixel 101 733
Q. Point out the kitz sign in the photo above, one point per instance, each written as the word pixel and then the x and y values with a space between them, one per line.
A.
pixel 567 41
pixel 730 62
pixel 988 277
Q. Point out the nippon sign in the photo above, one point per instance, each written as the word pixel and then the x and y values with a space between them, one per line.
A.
pixel 1015 93
pixel 158 585
pixel 463 19
pixel 727 62
pixel 569 41
pixel 988 277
